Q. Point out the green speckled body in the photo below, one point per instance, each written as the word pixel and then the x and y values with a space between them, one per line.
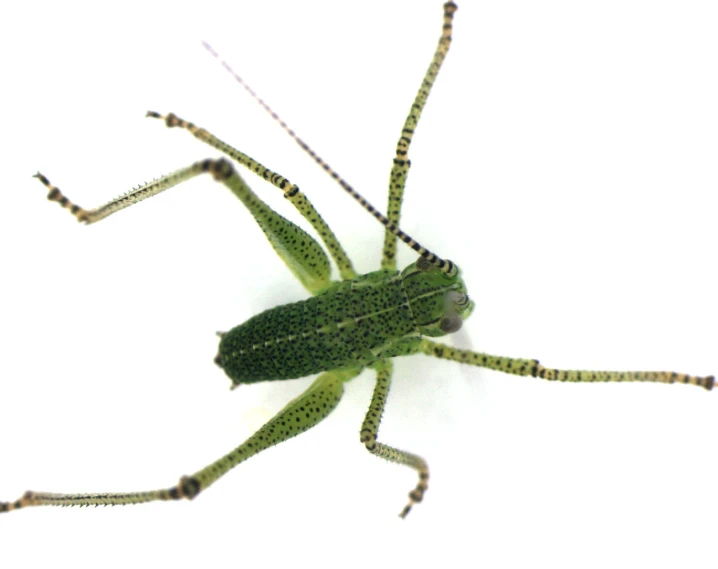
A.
pixel 346 326
pixel 351 325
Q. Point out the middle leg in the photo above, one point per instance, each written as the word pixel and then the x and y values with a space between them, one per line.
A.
pixel 532 368
pixel 370 432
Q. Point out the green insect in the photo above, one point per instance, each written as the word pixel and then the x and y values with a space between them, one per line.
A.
pixel 347 326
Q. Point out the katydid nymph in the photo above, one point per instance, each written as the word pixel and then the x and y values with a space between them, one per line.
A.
pixel 347 326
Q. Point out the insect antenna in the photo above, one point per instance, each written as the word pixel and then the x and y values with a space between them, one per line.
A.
pixel 444 264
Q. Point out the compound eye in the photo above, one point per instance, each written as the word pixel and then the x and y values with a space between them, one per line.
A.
pixel 451 324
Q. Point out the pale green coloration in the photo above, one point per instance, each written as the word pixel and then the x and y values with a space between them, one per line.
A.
pixel 356 323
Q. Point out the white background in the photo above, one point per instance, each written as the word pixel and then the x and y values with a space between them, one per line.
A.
pixel 566 160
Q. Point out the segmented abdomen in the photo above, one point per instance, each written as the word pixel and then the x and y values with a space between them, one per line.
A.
pixel 349 325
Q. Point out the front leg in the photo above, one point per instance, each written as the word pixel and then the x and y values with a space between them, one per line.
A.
pixel 533 368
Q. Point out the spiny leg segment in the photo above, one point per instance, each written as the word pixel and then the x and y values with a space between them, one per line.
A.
pixel 301 414
pixel 301 253
pixel 532 368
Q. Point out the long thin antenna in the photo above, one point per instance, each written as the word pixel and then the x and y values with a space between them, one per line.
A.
pixel 445 265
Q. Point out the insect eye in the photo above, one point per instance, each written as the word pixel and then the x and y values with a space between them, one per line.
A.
pixel 451 324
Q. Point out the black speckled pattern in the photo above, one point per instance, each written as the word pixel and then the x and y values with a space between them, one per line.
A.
pixel 349 326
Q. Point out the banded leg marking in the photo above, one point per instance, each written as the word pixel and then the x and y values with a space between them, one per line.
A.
pixel 400 167
pixel 533 368
pixel 370 431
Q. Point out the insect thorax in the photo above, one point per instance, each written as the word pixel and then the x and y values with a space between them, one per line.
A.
pixel 351 325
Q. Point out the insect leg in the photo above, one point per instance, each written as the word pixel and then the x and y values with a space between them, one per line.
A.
pixel 400 169
pixel 302 254
pixel 301 414
pixel 533 368
pixel 370 431
pixel 291 191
